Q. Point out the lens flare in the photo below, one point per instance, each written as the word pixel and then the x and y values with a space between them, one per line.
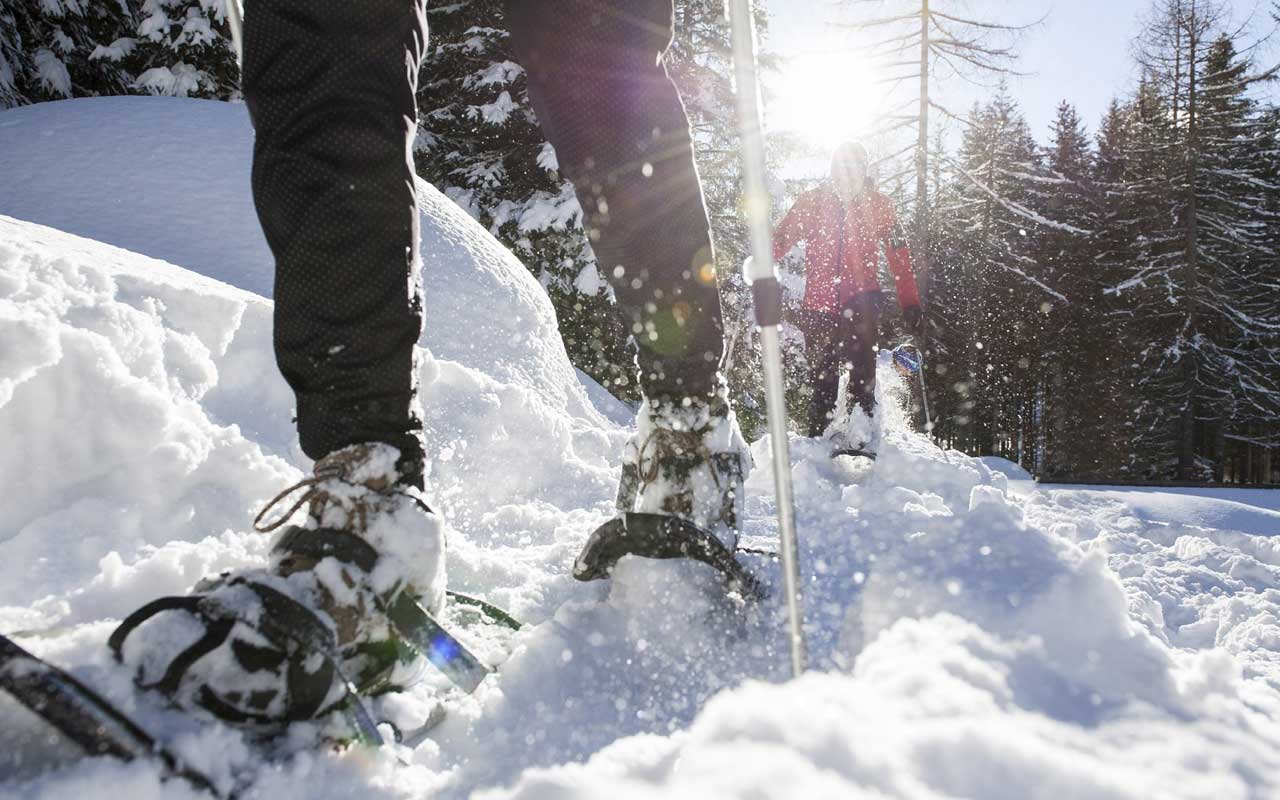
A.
pixel 826 97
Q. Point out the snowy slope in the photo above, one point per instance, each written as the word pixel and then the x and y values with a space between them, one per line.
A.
pixel 158 175
pixel 972 636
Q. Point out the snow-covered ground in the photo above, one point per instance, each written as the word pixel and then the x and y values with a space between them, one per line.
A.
pixel 971 635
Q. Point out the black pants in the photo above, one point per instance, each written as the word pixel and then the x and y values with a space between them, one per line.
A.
pixel 330 86
pixel 834 343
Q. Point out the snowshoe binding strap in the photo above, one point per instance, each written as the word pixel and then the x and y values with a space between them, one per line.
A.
pixel 321 543
pixel 660 536
pixel 493 612
pixel 288 625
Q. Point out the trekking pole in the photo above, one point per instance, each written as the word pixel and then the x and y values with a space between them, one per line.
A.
pixel 235 21
pixel 924 394
pixel 924 399
pixel 767 294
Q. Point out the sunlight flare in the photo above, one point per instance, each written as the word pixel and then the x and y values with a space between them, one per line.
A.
pixel 826 97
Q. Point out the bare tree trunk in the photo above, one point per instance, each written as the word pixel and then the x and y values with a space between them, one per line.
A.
pixel 1265 458
pixel 922 154
pixel 1190 368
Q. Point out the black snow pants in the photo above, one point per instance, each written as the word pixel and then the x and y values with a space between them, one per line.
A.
pixel 834 343
pixel 330 86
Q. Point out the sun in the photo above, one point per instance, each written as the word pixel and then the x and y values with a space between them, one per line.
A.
pixel 826 97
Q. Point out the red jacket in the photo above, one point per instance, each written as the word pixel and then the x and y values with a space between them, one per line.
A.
pixel 843 247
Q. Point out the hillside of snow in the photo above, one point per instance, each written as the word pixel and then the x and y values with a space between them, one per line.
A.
pixel 971 635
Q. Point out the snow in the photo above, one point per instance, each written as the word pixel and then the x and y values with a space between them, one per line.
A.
pixel 99 168
pixel 53 73
pixel 115 51
pixel 179 80
pixel 1012 470
pixel 971 634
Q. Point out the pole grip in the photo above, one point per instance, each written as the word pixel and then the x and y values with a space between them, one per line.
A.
pixel 766 295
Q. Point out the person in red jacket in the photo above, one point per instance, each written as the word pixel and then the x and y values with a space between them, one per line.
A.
pixel 842 223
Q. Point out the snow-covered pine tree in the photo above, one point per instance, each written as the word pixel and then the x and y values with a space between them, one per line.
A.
pixel 1077 356
pixel 184 49
pixel 1139 245
pixel 479 143
pixel 1259 460
pixel 55 49
pixel 1239 251
pixel 1192 290
pixel 990 292
pixel 1114 246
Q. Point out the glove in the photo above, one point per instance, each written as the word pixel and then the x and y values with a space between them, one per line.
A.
pixel 913 316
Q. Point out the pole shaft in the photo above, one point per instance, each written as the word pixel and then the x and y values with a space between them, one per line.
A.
pixel 775 397
pixel 236 23
pixel 750 122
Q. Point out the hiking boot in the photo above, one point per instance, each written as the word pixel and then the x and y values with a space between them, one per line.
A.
pixel 299 638
pixel 853 432
pixel 688 460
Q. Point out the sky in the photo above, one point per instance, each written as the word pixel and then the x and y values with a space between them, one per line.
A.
pixel 1081 52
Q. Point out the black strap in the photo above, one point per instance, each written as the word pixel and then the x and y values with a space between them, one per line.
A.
pixel 131 622
pixel 323 543
pixel 221 709
pixel 284 620
pixel 215 634
pixel 308 690
pixel 497 614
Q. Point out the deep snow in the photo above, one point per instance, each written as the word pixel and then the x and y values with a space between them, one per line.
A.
pixel 972 636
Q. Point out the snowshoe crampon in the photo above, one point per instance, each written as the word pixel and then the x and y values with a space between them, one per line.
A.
pixel 853 452
pixel 661 536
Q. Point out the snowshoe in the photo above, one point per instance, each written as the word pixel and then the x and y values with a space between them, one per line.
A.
pixel 661 536
pixel 681 493
pixel 853 434
pixel 346 608
pixel 853 452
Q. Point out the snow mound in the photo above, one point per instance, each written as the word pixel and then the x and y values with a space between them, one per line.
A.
pixel 128 171
pixel 1012 470
pixel 121 406
pixel 125 171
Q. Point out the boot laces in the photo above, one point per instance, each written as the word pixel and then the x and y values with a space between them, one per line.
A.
pixel 337 466
pixel 664 445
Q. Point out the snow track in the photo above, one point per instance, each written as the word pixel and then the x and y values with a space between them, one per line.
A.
pixel 971 636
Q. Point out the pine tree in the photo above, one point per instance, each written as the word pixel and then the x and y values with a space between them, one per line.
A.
pixel 55 49
pixel 1239 253
pixel 1193 288
pixel 1114 248
pixel 991 293
pixel 479 143
pixel 1077 357
pixel 184 49
pixel 1138 258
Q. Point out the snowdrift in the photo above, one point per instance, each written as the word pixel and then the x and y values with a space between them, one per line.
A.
pixel 969 639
